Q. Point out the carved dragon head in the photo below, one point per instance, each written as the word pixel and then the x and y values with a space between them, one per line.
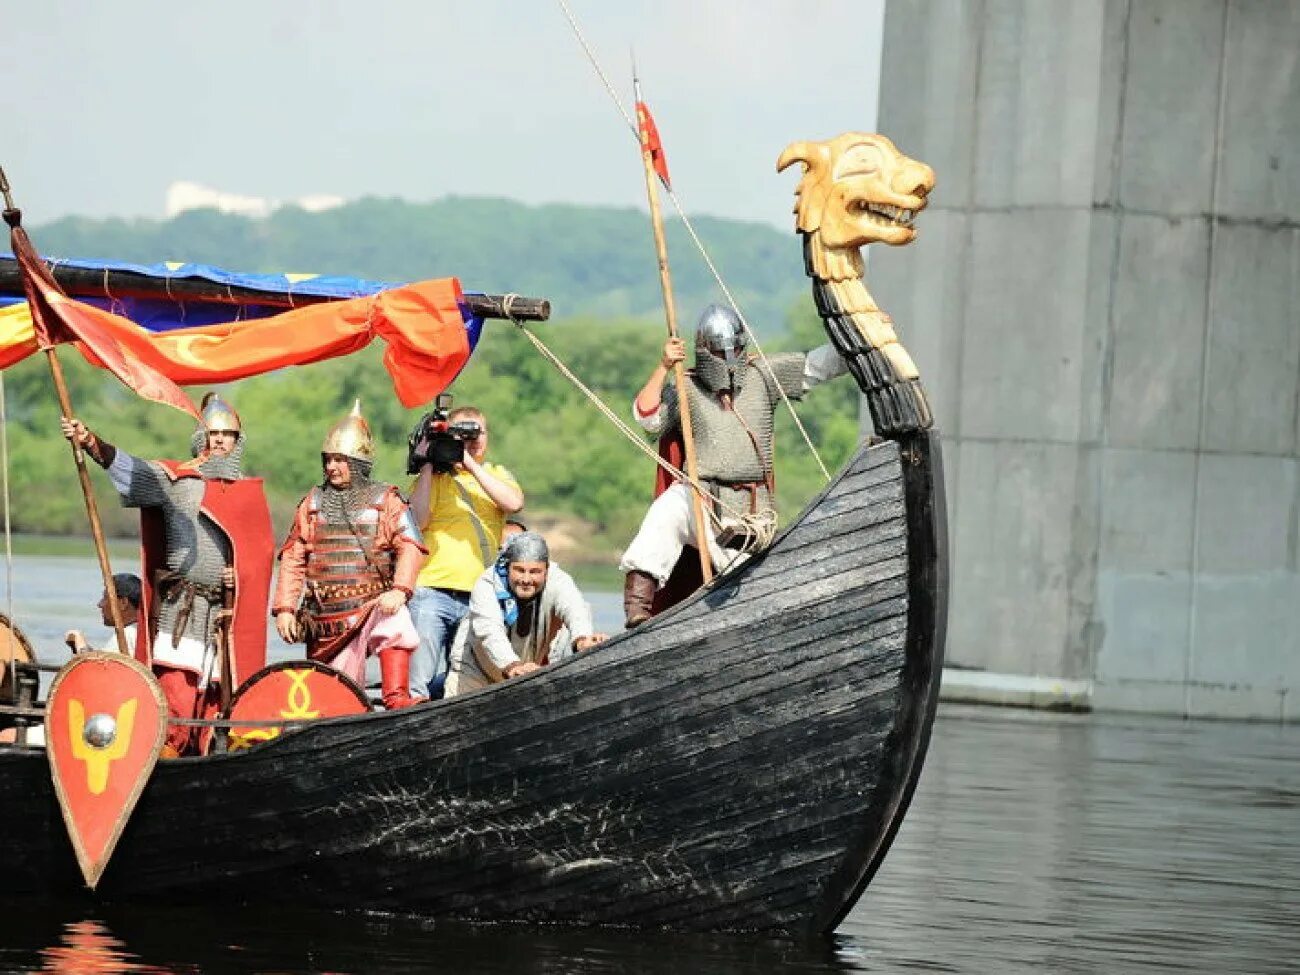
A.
pixel 857 189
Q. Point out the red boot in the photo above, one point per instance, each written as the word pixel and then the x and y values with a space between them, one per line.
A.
pixel 394 678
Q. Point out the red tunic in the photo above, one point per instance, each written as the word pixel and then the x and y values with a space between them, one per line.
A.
pixel 390 536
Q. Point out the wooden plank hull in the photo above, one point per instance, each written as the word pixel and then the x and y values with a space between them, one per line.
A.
pixel 739 763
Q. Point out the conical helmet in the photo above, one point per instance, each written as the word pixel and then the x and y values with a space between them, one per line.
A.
pixel 351 437
pixel 217 414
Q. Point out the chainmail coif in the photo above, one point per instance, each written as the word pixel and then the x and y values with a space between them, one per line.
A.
pixel 341 506
pixel 714 374
pixel 225 468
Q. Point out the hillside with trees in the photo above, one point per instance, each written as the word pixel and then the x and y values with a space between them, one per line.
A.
pixel 581 477
pixel 596 261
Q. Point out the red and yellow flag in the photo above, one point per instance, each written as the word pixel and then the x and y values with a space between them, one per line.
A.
pixel 651 143
pixel 57 319
pixel 421 324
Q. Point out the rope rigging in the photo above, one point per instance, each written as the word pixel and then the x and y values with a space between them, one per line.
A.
pixel 690 229
pixel 760 527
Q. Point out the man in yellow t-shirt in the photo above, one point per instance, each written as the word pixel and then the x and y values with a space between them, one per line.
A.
pixel 461 514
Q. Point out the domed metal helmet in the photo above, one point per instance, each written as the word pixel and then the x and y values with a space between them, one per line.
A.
pixel 351 437
pixel 217 414
pixel 722 333
pixel 720 363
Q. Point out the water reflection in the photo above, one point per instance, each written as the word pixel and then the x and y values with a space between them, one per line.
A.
pixel 1079 844
pixel 1036 843
pixel 235 940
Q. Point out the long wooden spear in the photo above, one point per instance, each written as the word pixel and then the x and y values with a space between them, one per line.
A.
pixel 22 247
pixel 652 158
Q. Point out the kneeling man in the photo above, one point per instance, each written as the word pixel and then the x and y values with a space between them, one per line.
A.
pixel 516 608
pixel 351 558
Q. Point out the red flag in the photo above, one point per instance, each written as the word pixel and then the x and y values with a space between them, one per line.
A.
pixel 651 143
pixel 57 319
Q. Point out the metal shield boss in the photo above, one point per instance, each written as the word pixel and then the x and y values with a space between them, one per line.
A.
pixel 105 723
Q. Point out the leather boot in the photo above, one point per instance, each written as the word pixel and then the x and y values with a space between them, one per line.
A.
pixel 638 597
pixel 394 678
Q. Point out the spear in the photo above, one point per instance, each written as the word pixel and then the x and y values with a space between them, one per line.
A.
pixel 23 251
pixel 656 165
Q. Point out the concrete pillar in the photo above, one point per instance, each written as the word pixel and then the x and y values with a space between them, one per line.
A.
pixel 1105 304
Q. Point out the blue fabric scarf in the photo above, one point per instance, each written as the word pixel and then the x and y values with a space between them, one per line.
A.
pixel 506 599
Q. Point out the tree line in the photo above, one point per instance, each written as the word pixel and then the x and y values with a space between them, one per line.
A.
pixel 595 264
pixel 571 462
pixel 587 260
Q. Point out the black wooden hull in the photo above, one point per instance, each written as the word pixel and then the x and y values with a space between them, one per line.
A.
pixel 739 763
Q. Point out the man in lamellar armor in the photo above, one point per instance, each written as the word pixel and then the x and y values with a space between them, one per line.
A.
pixel 731 398
pixel 348 567
pixel 206 537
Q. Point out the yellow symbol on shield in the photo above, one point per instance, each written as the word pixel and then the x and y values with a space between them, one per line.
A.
pixel 299 696
pixel 98 760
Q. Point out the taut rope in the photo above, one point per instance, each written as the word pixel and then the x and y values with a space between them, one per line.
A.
pixel 686 222
pixel 10 654
pixel 761 527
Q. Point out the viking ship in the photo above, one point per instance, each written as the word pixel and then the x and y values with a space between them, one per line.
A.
pixel 741 762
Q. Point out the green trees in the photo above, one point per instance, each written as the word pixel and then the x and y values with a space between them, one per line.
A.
pixel 574 466
pixel 586 260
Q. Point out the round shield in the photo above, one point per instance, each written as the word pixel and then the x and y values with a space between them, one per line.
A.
pixel 14 647
pixel 291 691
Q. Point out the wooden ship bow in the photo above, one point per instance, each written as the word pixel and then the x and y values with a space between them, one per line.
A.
pixel 741 761
pixel 858 189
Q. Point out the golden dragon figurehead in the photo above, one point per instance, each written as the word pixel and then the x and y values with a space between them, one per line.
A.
pixel 857 189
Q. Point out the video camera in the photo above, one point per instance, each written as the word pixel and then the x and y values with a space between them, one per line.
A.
pixel 437 441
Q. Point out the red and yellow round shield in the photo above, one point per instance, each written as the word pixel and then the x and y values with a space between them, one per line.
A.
pixel 290 691
pixel 105 722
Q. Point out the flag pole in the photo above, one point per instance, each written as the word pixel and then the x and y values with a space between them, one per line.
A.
pixel 670 316
pixel 13 217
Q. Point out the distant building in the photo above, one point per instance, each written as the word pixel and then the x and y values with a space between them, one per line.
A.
pixel 182 196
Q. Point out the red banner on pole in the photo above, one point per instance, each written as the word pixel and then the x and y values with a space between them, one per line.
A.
pixel 651 143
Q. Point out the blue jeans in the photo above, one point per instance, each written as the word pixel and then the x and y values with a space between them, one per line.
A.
pixel 436 614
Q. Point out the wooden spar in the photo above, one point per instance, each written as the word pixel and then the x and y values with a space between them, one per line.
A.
pixel 84 282
pixel 13 217
pixel 92 507
pixel 679 373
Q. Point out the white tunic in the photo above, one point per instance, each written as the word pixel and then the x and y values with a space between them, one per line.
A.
pixel 485 646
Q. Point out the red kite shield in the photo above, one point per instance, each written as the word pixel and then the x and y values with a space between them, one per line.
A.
pixel 105 723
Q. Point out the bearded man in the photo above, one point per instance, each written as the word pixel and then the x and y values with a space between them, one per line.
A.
pixel 348 567
pixel 516 609
pixel 206 536
pixel 731 398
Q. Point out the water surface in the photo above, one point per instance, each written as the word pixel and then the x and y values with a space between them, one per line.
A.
pixel 1035 843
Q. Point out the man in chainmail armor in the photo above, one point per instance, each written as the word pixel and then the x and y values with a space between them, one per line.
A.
pixel 731 398
pixel 349 565
pixel 206 539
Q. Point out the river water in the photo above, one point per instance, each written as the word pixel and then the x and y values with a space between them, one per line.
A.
pixel 1035 843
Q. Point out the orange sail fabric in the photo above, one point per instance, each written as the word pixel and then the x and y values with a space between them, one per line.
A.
pixel 421 323
pixel 57 319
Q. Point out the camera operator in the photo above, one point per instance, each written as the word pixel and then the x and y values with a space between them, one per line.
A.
pixel 460 500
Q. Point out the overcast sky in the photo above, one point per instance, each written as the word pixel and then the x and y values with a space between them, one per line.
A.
pixel 104 105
